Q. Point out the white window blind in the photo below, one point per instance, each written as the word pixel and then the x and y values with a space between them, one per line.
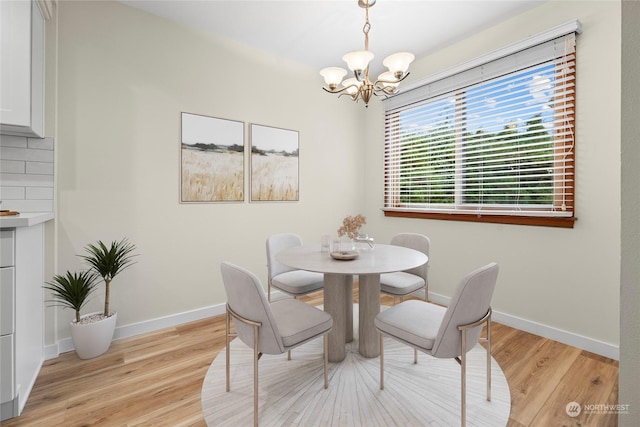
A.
pixel 494 140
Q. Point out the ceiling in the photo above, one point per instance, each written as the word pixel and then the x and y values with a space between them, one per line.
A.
pixel 319 32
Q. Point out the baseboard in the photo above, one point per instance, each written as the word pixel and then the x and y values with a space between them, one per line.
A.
pixel 546 331
pixel 9 409
pixel 126 331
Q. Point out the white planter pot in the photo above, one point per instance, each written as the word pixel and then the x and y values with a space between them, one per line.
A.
pixel 93 339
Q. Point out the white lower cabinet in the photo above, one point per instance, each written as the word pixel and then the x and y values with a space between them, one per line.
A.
pixel 7 323
pixel 7 300
pixel 7 247
pixel 7 362
pixel 21 315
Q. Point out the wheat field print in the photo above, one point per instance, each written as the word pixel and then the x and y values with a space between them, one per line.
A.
pixel 274 164
pixel 211 159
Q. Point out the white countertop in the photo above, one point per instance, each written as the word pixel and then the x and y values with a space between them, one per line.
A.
pixel 26 219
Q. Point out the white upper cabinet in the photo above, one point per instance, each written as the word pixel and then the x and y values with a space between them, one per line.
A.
pixel 21 68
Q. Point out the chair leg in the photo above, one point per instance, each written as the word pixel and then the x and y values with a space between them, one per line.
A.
pixel 415 356
pixel 325 345
pixel 489 358
pixel 463 379
pixel 228 327
pixel 463 360
pixel 381 362
pixel 255 375
pixel 256 355
pixel 289 355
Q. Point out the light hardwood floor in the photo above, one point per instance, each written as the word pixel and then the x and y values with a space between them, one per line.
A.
pixel 155 380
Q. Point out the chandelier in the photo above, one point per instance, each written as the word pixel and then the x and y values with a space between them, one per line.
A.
pixel 360 86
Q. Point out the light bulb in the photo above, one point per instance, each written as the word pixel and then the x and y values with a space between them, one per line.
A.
pixel 358 60
pixel 398 63
pixel 333 76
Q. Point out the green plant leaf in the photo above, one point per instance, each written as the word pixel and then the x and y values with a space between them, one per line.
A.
pixel 112 260
pixel 73 289
pixel 109 261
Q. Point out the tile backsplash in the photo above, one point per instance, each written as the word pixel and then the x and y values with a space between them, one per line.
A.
pixel 26 173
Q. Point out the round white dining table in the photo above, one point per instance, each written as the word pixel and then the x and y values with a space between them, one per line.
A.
pixel 338 289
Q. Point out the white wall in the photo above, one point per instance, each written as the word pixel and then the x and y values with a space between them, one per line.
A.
pixel 567 279
pixel 124 76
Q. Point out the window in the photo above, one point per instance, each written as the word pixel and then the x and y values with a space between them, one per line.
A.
pixel 494 142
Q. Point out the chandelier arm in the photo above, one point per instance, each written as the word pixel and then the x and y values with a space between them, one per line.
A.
pixel 353 97
pixel 388 90
pixel 391 81
pixel 339 90
pixel 383 92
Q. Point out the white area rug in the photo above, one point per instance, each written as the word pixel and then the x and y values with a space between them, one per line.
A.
pixel 291 393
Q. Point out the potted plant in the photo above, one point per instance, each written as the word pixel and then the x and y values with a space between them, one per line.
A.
pixel 92 333
pixel 107 262
pixel 72 291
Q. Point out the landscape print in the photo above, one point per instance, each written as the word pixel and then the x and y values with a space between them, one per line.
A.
pixel 274 164
pixel 212 159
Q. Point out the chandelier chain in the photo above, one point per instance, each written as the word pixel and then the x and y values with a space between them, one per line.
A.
pixel 366 28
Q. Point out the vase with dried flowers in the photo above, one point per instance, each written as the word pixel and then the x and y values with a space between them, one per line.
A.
pixel 350 229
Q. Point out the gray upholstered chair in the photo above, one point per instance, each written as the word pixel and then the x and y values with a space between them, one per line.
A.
pixel 445 332
pixel 268 328
pixel 403 283
pixel 287 279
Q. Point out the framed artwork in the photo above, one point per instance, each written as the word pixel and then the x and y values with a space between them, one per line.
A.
pixel 211 159
pixel 274 164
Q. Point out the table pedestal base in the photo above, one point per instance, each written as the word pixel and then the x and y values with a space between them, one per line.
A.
pixel 338 302
pixel 369 308
pixel 338 289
